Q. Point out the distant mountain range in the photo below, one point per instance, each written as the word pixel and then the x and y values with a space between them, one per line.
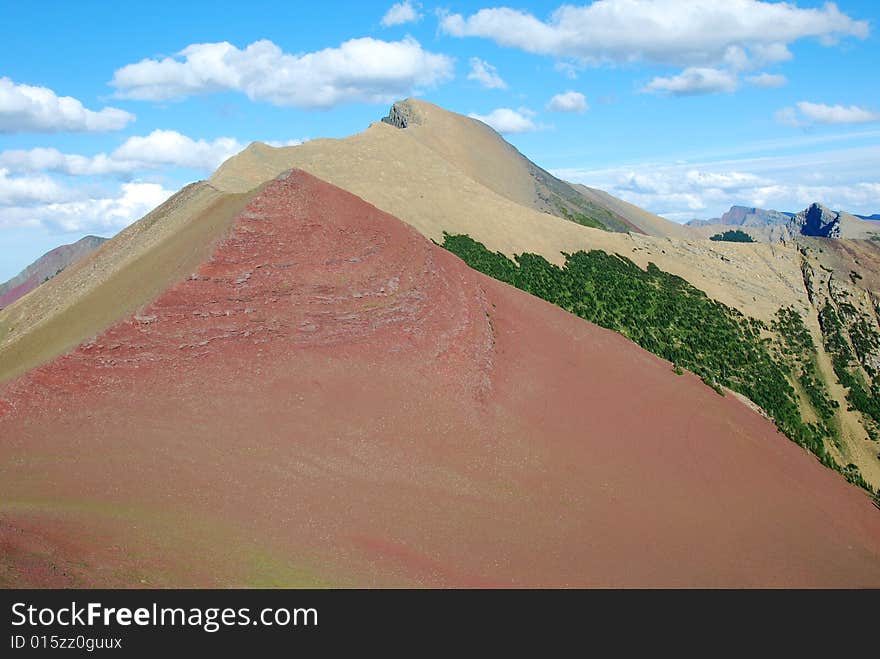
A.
pixel 743 216
pixel 46 267
pixel 816 220
pixel 871 218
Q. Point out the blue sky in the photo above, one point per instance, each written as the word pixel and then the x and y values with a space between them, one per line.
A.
pixel 683 107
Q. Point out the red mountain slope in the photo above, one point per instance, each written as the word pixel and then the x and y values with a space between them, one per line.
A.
pixel 332 399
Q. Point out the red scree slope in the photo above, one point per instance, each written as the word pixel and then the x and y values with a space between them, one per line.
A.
pixel 332 399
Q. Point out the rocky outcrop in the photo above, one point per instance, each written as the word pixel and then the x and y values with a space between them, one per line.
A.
pixel 816 221
pixel 401 115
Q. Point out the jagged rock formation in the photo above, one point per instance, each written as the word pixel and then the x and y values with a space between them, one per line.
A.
pixel 402 115
pixel 816 221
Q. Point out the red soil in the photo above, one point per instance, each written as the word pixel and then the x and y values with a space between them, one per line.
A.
pixel 332 399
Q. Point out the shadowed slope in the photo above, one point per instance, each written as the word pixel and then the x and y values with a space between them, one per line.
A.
pixel 332 399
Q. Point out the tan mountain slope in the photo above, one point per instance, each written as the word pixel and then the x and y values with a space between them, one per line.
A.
pixel 480 152
pixel 856 228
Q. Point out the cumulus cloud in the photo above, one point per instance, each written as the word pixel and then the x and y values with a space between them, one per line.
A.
pixel 805 113
pixel 693 81
pixel 485 74
pixel 26 108
pixel 365 69
pixel 505 120
pixel 161 148
pixel 98 214
pixel 400 13
pixel 568 102
pixel 660 31
pixel 767 80
pixel 168 147
pixel 28 189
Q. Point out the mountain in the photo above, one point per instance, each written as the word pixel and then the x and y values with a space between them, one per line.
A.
pixel 396 170
pixel 770 225
pixel 428 188
pixel 744 216
pixel 873 218
pixel 171 325
pixel 46 267
pixel 420 141
pixel 306 391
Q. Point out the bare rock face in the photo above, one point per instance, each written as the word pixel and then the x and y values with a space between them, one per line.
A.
pixel 816 221
pixel 401 115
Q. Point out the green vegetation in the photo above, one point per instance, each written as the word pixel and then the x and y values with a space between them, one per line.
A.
pixel 732 236
pixel 671 318
pixel 581 218
pixel 802 352
pixel 861 396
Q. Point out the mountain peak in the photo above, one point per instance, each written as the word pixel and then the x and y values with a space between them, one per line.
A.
pixel 817 220
pixel 404 113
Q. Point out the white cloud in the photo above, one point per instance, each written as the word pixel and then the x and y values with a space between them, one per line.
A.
pixel 694 80
pixel 505 120
pixel 161 148
pixel 485 74
pixel 26 108
pixel 366 69
pixel 168 147
pixel 280 143
pixel 838 178
pixel 767 80
pixel 98 214
pixel 400 13
pixel 28 189
pixel 568 102
pixel 660 31
pixel 836 114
